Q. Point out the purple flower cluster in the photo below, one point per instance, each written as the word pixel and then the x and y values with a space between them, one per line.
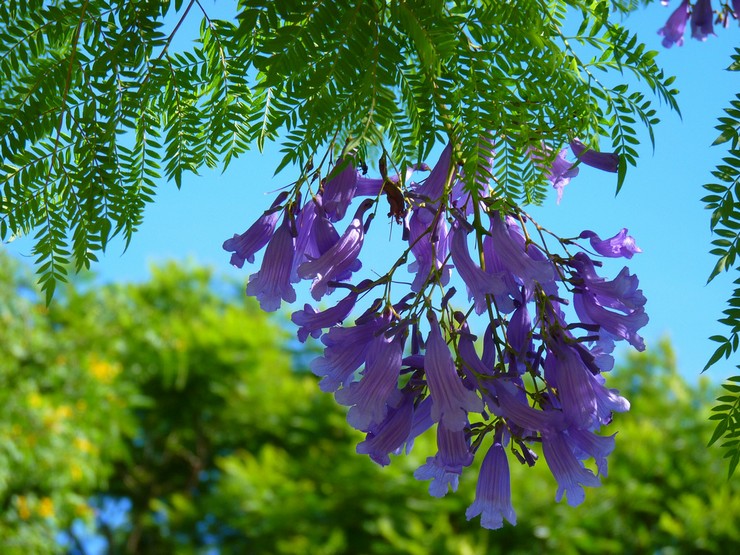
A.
pixel 702 17
pixel 405 365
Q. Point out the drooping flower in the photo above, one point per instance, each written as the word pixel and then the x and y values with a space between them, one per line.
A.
pixel 604 161
pixel 368 398
pixel 340 190
pixel 559 172
pixel 433 187
pixel 522 260
pixel 586 403
pixel 246 245
pixel 271 283
pixel 675 26
pixel 312 323
pixel 460 194
pixel 445 468
pixel 345 351
pixel 390 435
pixel 451 401
pixel 569 472
pixel 429 243
pixel 493 491
pixel 586 444
pixel 736 8
pixel 617 306
pixel 340 260
pixel 614 247
pixel 702 17
pixel 478 282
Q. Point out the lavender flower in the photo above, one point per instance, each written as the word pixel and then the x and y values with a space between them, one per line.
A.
pixel 445 468
pixel 594 296
pixel 312 322
pixel 702 17
pixel 451 401
pixel 345 352
pixel 340 260
pixel 736 8
pixel 272 282
pixel 433 187
pixel 614 247
pixel 429 246
pixel 493 491
pixel 340 190
pixel 390 435
pixel 675 26
pixel 604 161
pixel 368 397
pixel 245 246
pixel 586 444
pixel 569 472
pixel 559 172
pixel 479 283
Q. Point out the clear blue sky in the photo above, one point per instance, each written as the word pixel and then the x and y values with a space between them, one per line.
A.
pixel 659 204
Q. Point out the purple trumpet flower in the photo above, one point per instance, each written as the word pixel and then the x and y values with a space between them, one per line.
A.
pixel 614 247
pixel 604 161
pixel 479 283
pixel 524 261
pixel 493 491
pixel 559 172
pixel 421 423
pixel 312 323
pixel 675 26
pixel 514 406
pixel 594 297
pixel 345 351
pixel 445 468
pixel 451 400
pixel 245 246
pixel 460 193
pixel 429 247
pixel 702 17
pixel 586 444
pixel 736 8
pixel 272 282
pixel 340 190
pixel 569 472
pixel 433 187
pixel 519 335
pixel 586 403
pixel 305 245
pixel 390 435
pixel 340 260
pixel 377 388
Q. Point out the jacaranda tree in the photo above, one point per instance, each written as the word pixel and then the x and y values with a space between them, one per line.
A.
pixel 97 104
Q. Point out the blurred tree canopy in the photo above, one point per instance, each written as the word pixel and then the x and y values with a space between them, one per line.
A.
pixel 183 405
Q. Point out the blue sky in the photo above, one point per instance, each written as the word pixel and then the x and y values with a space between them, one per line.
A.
pixel 659 204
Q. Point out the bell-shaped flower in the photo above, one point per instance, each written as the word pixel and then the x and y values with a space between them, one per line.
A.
pixel 445 468
pixel 271 283
pixel 617 306
pixel 586 403
pixel 675 26
pixel 345 351
pixel 568 471
pixel 736 8
pixel 429 243
pixel 519 338
pixel 368 398
pixel 390 435
pixel 339 191
pixel 246 245
pixel 702 19
pixel 493 491
pixel 521 259
pixel 433 187
pixel 305 244
pixel 479 282
pixel 340 260
pixel 604 161
pixel 586 444
pixel 614 247
pixel 559 172
pixel 312 323
pixel 451 401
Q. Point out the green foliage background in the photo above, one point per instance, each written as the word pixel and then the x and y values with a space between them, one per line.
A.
pixel 182 397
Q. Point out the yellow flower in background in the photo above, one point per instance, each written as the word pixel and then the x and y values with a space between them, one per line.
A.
pixel 83 444
pixel 46 507
pixel 35 400
pixel 23 511
pixel 102 370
